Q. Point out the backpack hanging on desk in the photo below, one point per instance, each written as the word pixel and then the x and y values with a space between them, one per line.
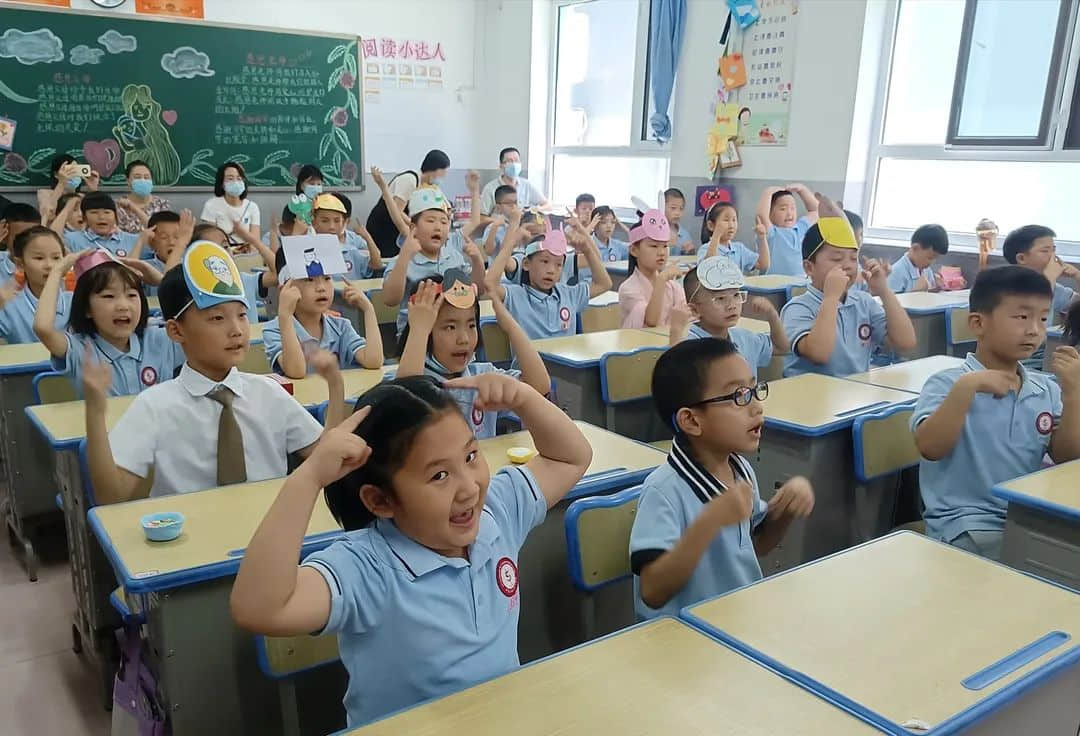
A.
pixel 138 708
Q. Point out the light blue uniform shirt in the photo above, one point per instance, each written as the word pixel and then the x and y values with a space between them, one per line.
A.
pixel 672 498
pixel 682 239
pixel 785 248
pixel 1001 439
pixel 547 315
pixel 338 336
pixel 756 347
pixel 7 267
pixel 584 273
pixel 860 329
pixel 904 274
pixel 422 267
pixel 500 233
pixel 150 360
pixel 413 624
pixel 737 252
pixel 483 423
pixel 1063 297
pixel 17 316
pixel 357 264
pixel 119 243
pixel 615 250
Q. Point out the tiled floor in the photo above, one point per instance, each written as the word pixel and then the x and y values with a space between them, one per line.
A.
pixel 45 688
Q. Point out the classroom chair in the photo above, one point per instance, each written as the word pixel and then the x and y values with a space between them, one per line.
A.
pixel 626 389
pixel 959 340
pixel 597 319
pixel 283 658
pixel 885 447
pixel 794 291
pixel 598 545
pixel 51 387
pixel 387 318
pixel 662 445
pixel 496 343
pixel 255 360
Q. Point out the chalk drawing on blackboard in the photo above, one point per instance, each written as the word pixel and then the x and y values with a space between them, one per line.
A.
pixel 37 47
pixel 83 54
pixel 186 63
pixel 142 136
pixel 116 42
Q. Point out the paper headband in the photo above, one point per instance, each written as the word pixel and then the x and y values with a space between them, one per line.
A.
pixel 329 202
pixel 300 206
pixel 554 242
pixel 211 275
pixel 834 226
pixel 456 288
pixel 653 225
pixel 719 273
pixel 91 258
pixel 427 198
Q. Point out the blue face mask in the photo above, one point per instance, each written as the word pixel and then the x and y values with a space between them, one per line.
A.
pixel 142 187
pixel 235 188
pixel 74 182
pixel 438 181
pixel 513 169
pixel 311 191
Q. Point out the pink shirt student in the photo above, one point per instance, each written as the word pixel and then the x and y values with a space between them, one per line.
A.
pixel 648 248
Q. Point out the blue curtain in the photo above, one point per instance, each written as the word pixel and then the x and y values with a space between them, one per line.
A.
pixel 667 24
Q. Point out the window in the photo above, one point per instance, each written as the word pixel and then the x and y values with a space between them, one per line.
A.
pixel 599 138
pixel 974 118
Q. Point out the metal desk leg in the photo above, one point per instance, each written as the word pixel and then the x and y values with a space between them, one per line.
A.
pixel 577 392
pixel 1042 545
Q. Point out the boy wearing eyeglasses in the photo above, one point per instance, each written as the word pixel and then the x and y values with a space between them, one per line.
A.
pixel 701 522
pixel 834 329
pixel 715 298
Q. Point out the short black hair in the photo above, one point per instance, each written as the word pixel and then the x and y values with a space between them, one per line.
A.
pixel 307 171
pixel 133 164
pixel 173 293
pixel 583 198
pixel 200 231
pixel 674 193
pixel 410 291
pixel 811 242
pixel 931 236
pixel 434 160
pixel 21 212
pixel 508 149
pixel 1072 325
pixel 163 216
pixel 778 194
pixel 23 239
pixel 95 280
pixel 346 203
pixel 65 198
pixel 58 162
pixel 1021 239
pixel 502 190
pixel 603 211
pixel 857 223
pixel 97 201
pixel 288 217
pixel 690 284
pixel 219 178
pixel 680 374
pixel 994 284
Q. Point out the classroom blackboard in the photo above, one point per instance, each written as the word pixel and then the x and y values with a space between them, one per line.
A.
pixel 182 96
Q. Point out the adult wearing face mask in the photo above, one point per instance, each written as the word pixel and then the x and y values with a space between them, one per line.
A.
pixel 231 204
pixel 309 181
pixel 379 223
pixel 510 166
pixel 133 211
pixel 66 179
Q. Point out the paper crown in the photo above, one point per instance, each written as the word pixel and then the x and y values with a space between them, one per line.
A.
pixel 211 275
pixel 653 225
pixel 719 273
pixel 329 202
pixel 427 198
pixel 554 242
pixel 300 206
pixel 834 225
pixel 91 258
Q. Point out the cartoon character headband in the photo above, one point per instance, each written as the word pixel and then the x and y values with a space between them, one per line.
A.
pixel 834 226
pixel 92 258
pixel 300 206
pixel 654 225
pixel 427 198
pixel 719 273
pixel 554 242
pixel 211 275
pixel 458 290
pixel 328 202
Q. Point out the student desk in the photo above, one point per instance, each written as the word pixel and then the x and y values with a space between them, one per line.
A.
pixel 620 270
pixel 774 287
pixel 927 312
pixel 257 332
pixel 905 628
pixel 211 677
pixel 907 376
pixel 27 495
pixel 746 323
pixel 807 432
pixel 660 677
pixel 574 365
pixel 1042 526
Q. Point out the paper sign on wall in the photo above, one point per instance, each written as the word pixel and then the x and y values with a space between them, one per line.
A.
pixel 727 120
pixel 733 71
pixel 309 256
pixel 708 195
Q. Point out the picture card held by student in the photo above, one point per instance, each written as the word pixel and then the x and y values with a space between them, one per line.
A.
pixel 308 256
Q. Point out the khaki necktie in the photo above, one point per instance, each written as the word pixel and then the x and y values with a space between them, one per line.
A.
pixel 230 443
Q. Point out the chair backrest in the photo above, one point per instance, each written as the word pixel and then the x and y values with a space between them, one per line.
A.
pixel 597 319
pixel 496 343
pixel 255 360
pixel 957 331
pixel 884 443
pixel 794 291
pixel 598 538
pixel 285 656
pixel 628 376
pixel 384 312
pixel 51 387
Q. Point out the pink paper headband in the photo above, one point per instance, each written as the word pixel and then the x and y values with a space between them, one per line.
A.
pixel 653 225
pixel 92 258
pixel 554 242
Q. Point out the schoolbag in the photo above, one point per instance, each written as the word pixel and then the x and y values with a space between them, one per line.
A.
pixel 381 225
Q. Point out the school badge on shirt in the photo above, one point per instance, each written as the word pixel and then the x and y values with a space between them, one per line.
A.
pixel 564 315
pixel 1044 423
pixel 477 416
pixel 148 376
pixel 506 577
pixel 864 332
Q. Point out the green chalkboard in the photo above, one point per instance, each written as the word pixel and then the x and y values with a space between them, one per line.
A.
pixel 182 96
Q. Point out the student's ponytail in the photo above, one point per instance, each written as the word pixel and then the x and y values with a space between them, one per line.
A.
pixel 1072 325
pixel 400 409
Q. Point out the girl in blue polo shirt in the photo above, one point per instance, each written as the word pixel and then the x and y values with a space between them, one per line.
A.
pixel 718 231
pixel 37 251
pixel 423 591
pixel 442 337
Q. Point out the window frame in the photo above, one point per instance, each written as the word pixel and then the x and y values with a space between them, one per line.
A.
pixel 1055 151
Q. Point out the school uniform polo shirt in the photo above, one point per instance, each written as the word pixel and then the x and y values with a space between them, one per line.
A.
pixel 483 423
pixel 118 243
pixel 615 250
pixel 904 274
pixel 7 267
pixel 547 315
pixel 357 263
pixel 17 316
pixel 785 248
pixel 672 498
pixel 500 234
pixel 682 239
pixel 860 329
pixel 1063 297
pixel 422 267
pixel 338 336
pixel 413 624
pixel 173 428
pixel 1001 439
pixel 755 347
pixel 150 360
pixel 737 252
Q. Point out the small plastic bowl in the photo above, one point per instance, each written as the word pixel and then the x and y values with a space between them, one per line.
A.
pixel 162 527
pixel 520 455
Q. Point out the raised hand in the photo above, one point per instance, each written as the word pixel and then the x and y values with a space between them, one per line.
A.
pixel 355 296
pixel 424 307
pixel 288 298
pixel 97 378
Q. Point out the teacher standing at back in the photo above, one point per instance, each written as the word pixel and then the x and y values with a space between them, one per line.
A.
pixel 510 166
pixel 231 205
